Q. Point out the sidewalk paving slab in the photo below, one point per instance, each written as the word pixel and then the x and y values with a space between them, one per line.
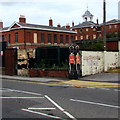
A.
pixel 102 77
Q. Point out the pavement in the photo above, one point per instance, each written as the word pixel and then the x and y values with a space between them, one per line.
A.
pixel 101 77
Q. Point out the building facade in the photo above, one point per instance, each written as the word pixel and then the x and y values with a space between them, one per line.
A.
pixel 23 35
pixel 89 30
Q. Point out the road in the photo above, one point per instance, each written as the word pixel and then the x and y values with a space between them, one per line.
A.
pixel 22 99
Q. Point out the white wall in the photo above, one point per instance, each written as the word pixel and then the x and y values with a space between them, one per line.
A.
pixel 97 62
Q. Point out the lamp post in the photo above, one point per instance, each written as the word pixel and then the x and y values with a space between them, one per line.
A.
pixel 104 35
pixel 104 24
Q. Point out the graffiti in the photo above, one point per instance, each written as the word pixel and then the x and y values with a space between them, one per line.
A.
pixel 91 58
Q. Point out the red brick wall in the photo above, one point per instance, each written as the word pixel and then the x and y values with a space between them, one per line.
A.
pixel 112 45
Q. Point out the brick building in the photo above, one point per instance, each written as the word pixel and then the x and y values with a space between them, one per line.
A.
pixel 90 31
pixel 24 35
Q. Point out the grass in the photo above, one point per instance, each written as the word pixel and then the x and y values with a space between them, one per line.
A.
pixel 114 70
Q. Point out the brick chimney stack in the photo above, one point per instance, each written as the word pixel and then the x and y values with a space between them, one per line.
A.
pixel 72 24
pixel 50 22
pixel 68 26
pixel 58 25
pixel 22 19
pixel 1 24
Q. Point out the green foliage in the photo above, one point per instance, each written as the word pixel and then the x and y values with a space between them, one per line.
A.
pixel 43 65
pixel 97 46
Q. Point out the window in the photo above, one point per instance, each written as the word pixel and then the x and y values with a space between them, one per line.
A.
pixel 67 39
pixel 16 37
pixel 76 37
pixel 81 37
pixel 87 29
pixel 110 26
pixel 87 36
pixel 35 37
pixel 61 38
pixel 55 38
pixel 49 38
pixel 72 38
pixel 81 30
pixel 94 36
pixel 42 38
pixel 94 29
pixel 115 26
pixel 9 38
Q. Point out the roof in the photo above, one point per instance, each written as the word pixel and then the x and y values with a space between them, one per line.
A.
pixel 85 24
pixel 38 27
pixel 113 21
pixel 87 13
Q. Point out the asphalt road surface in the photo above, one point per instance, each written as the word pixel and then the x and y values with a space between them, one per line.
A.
pixel 36 101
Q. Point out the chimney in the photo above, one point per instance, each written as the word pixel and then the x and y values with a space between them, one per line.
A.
pixel 72 24
pixel 68 26
pixel 50 22
pixel 1 24
pixel 22 19
pixel 58 25
pixel 97 21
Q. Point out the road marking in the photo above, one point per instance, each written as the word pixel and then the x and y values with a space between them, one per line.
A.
pixel 31 93
pixel 116 90
pixel 20 97
pixel 39 113
pixel 95 103
pixel 60 108
pixel 41 108
pixel 105 88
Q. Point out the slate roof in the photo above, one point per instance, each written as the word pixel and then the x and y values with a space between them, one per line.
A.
pixel 85 24
pixel 113 21
pixel 87 13
pixel 39 27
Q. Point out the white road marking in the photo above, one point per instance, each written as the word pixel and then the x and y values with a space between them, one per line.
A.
pixel 31 93
pixel 105 88
pixel 20 97
pixel 60 108
pixel 106 105
pixel 41 113
pixel 41 108
pixel 116 90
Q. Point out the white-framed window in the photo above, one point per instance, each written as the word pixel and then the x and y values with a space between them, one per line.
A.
pixel 35 37
pixel 115 26
pixel 87 36
pixel 81 37
pixel 94 36
pixel 87 29
pixel 76 38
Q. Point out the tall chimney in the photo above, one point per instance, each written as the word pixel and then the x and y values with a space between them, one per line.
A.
pixel 50 22
pixel 1 24
pixel 72 24
pixel 22 19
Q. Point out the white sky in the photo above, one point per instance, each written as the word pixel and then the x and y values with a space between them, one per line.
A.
pixel 61 11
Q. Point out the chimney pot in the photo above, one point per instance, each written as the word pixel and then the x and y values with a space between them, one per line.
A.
pixel 68 26
pixel 1 24
pixel 72 24
pixel 22 19
pixel 50 22
pixel 58 25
